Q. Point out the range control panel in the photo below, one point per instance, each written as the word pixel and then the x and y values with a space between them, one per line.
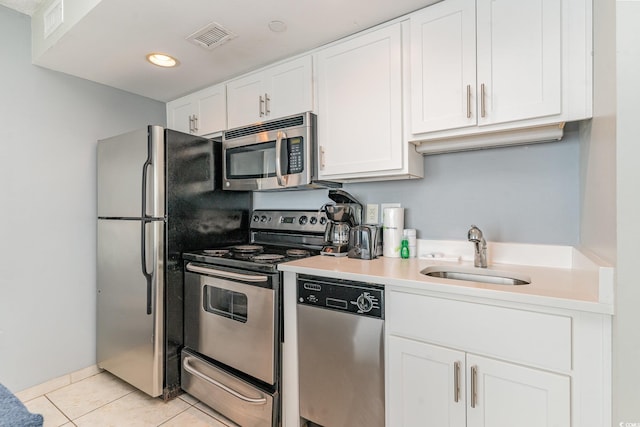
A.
pixel 293 220
pixel 354 297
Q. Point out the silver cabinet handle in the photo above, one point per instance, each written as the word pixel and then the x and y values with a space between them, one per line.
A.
pixel 261 106
pixel 456 382
pixel 193 371
pixel 280 136
pixel 482 103
pixel 468 101
pixel 227 274
pixel 190 124
pixel 195 123
pixel 474 386
pixel 267 111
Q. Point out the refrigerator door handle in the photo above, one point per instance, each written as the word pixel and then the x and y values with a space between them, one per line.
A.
pixel 144 219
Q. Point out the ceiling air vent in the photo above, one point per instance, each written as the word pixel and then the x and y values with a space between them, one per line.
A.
pixel 211 36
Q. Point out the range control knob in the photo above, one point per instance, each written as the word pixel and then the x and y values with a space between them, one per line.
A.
pixel 365 302
pixel 256 218
pixel 303 220
pixel 313 220
pixel 263 218
pixel 323 220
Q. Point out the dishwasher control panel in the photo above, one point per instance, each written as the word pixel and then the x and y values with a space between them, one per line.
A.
pixel 354 297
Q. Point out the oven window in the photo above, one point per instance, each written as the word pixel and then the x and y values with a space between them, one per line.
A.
pixel 226 303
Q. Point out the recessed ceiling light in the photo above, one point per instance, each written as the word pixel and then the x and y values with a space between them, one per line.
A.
pixel 162 60
pixel 277 26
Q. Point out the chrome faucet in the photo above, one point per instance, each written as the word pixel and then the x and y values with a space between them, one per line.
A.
pixel 480 256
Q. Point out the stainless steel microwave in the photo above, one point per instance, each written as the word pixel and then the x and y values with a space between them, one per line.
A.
pixel 273 155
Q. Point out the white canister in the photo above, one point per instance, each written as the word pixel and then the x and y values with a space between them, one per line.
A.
pixel 393 223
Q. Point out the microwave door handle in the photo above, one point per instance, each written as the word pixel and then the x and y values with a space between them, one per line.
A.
pixel 281 135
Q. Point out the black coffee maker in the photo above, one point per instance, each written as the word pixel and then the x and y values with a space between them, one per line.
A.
pixel 343 215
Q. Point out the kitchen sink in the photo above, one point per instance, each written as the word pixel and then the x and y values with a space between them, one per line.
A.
pixel 483 275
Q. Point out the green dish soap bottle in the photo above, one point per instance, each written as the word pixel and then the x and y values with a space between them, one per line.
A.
pixel 404 249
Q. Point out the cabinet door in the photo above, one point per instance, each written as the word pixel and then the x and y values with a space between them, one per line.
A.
pixel 179 114
pixel 426 385
pixel 519 59
pixel 289 88
pixel 510 395
pixel 359 103
pixel 212 110
pixel 443 66
pixel 245 100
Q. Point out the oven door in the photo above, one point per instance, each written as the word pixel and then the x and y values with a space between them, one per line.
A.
pixel 232 317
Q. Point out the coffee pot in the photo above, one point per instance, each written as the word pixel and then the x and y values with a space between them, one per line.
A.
pixel 343 215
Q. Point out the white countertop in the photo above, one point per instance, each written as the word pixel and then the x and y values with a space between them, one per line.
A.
pixel 568 279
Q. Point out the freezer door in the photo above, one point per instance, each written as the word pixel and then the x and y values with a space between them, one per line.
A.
pixel 129 307
pixel 131 174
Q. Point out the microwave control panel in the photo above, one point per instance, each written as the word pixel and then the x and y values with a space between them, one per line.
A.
pixel 296 155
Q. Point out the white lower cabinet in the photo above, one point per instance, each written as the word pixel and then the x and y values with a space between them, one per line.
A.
pixel 426 384
pixel 482 363
pixel 502 394
pixel 435 386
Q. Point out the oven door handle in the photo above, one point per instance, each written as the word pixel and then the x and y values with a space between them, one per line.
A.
pixel 226 274
pixel 193 371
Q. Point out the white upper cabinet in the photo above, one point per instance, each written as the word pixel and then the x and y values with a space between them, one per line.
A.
pixel 519 46
pixel 443 66
pixel 360 109
pixel 274 92
pixel 200 113
pixel 180 114
pixel 482 66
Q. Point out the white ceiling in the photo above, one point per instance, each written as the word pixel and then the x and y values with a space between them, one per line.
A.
pixel 25 6
pixel 109 45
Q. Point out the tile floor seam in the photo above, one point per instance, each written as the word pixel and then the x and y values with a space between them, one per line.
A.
pixel 175 416
pixel 187 400
pixel 99 407
pixel 59 409
pixel 215 418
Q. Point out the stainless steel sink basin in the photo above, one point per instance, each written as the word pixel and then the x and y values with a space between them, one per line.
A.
pixel 483 275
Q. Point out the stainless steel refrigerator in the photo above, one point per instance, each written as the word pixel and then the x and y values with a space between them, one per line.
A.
pixel 159 194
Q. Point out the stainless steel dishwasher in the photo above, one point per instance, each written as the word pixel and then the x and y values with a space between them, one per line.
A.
pixel 341 352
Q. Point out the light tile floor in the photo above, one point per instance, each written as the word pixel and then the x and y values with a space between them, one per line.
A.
pixel 104 400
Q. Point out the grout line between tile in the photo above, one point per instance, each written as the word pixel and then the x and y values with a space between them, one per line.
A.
pixel 56 406
pixel 209 414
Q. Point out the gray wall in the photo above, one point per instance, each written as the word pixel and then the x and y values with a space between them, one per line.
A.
pixel 522 194
pixel 50 125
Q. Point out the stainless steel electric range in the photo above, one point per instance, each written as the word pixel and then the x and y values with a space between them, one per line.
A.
pixel 233 316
